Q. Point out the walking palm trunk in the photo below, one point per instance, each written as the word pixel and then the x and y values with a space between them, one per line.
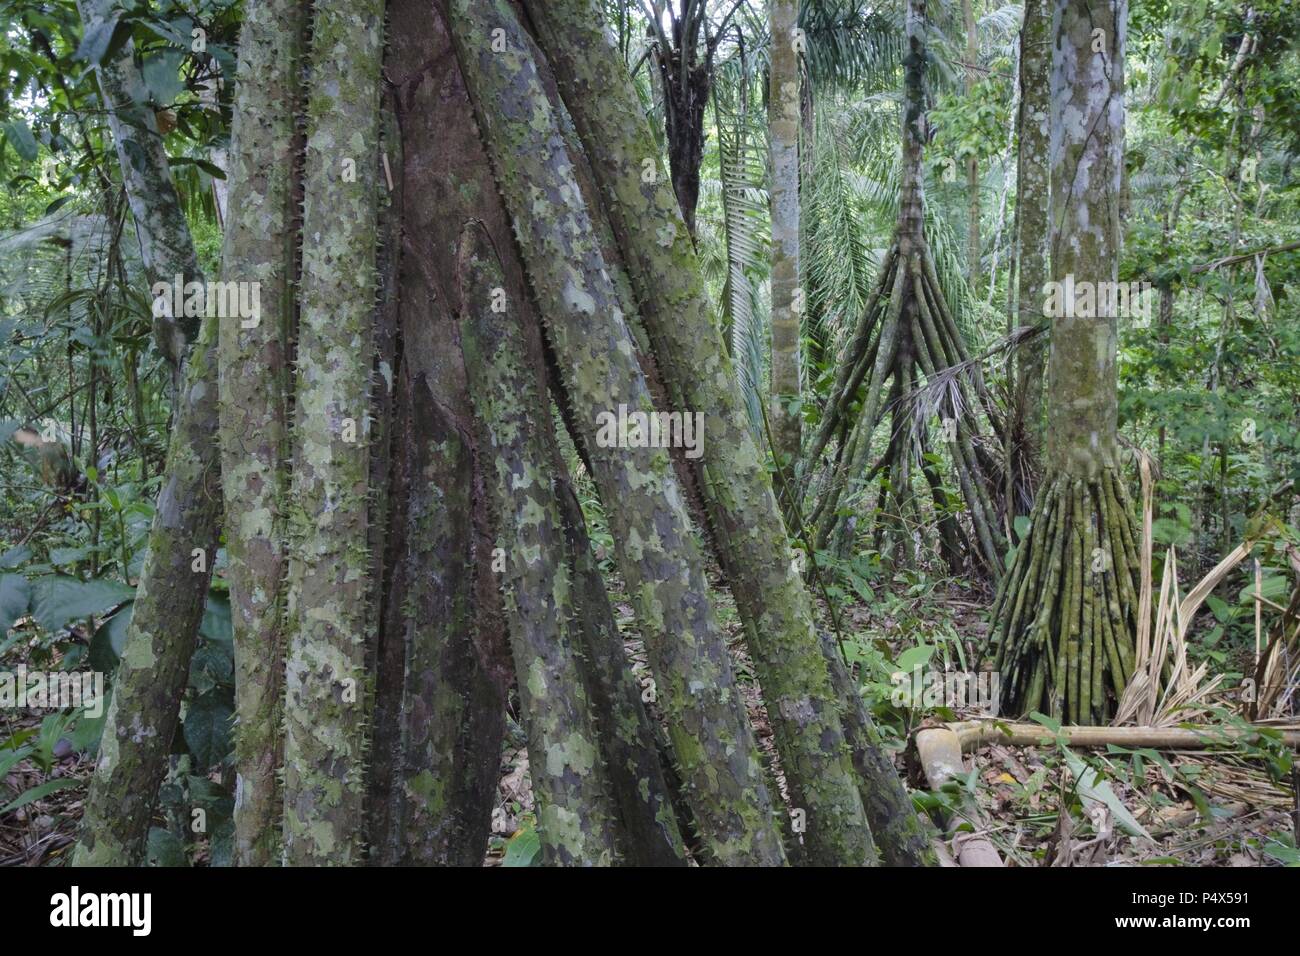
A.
pixel 907 332
pixel 1066 616
pixel 575 812
pixel 326 683
pixel 657 550
pixel 260 246
pixel 748 532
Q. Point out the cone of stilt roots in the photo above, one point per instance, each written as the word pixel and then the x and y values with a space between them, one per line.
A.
pixel 906 348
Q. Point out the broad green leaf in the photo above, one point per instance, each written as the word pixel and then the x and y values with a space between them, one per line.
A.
pixel 94 45
pixel 162 76
pixel 215 625
pixel 14 556
pixel 207 729
pixel 165 849
pixel 65 556
pixel 110 638
pixel 21 139
pixel 15 597
pixel 523 848
pixel 57 599
pixel 915 657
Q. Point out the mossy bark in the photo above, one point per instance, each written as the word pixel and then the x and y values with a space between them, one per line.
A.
pixel 326 683
pixel 1033 232
pixel 630 742
pixel 574 809
pixel 445 664
pixel 1065 618
pixel 260 247
pixel 657 550
pixel 153 670
pixel 748 531
pixel 154 666
pixel 787 297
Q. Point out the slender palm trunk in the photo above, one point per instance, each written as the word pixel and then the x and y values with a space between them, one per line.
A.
pixel 787 296
pixel 1033 233
pixel 749 534
pixel 1065 619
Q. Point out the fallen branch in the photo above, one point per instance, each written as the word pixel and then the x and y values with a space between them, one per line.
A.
pixel 975 733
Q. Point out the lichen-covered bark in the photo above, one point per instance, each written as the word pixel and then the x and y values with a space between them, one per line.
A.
pixel 748 528
pixel 154 665
pixel 657 551
pixel 1087 151
pixel 260 247
pixel 1033 233
pixel 575 812
pixel 325 678
pixel 165 245
pixel 783 194
pixel 630 742
pixel 1065 618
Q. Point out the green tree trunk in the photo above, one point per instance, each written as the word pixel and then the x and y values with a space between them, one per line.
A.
pixel 1033 233
pixel 326 684
pixel 154 665
pixel 261 247
pixel 787 296
pixel 657 550
pixel 748 530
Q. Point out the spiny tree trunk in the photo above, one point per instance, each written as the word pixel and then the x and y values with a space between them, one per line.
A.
pixel 154 665
pixel 657 550
pixel 1033 234
pixel 1066 616
pixel 630 742
pixel 787 296
pixel 260 246
pixel 907 331
pixel 574 809
pixel 748 529
pixel 326 685
pixel 443 662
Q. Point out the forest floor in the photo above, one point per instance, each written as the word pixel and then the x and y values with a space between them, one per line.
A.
pixel 1220 809
pixel 1190 808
